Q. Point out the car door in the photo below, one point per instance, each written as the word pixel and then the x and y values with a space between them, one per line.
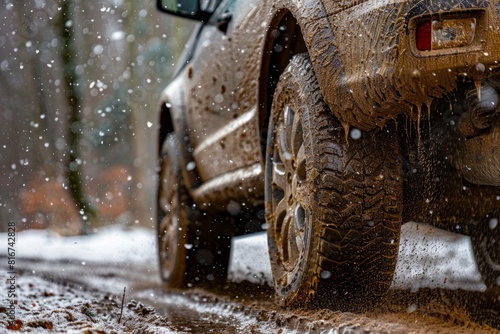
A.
pixel 218 123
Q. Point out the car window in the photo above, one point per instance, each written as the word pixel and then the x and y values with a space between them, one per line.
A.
pixel 210 5
pixel 223 9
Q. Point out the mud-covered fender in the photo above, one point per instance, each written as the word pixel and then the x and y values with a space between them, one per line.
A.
pixel 314 19
pixel 172 108
pixel 363 60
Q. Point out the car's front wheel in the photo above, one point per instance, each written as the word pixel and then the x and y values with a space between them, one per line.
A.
pixel 193 246
pixel 333 203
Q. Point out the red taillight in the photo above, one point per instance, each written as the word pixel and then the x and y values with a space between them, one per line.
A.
pixel 424 36
pixel 448 33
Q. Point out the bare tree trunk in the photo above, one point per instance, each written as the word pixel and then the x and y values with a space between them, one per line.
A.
pixel 75 126
pixel 141 115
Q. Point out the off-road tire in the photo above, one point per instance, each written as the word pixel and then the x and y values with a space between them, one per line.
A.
pixel 333 204
pixel 193 247
pixel 485 237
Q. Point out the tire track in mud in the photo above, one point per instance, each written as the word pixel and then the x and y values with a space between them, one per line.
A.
pixel 427 311
pixel 249 308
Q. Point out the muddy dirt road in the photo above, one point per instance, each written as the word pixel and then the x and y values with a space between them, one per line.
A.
pixel 65 293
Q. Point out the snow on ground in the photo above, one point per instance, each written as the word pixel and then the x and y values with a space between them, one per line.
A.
pixel 48 307
pixel 113 244
pixel 428 257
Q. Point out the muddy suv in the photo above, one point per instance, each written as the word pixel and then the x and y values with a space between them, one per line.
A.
pixel 336 121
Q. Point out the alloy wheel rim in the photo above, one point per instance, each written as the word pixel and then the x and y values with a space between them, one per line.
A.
pixel 288 194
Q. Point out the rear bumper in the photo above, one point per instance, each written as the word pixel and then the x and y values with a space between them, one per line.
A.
pixel 380 74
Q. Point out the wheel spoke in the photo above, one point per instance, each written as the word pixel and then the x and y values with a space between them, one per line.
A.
pixel 297 136
pixel 288 234
pixel 300 218
pixel 283 148
pixel 293 249
pixel 301 158
pixel 289 119
pixel 299 241
pixel 284 240
pixel 279 222
pixel 281 209
pixel 279 175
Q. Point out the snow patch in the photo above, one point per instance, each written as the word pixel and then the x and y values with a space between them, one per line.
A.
pixel 250 259
pixel 114 244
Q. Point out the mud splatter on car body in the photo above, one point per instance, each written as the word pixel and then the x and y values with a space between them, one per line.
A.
pixel 373 67
pixel 364 56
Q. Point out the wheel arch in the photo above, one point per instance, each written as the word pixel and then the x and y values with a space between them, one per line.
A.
pixel 279 48
pixel 172 118
pixel 166 125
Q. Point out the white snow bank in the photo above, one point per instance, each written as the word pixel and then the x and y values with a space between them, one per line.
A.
pixel 431 257
pixel 113 244
pixel 250 259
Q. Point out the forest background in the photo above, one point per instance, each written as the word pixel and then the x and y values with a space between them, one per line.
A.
pixel 79 91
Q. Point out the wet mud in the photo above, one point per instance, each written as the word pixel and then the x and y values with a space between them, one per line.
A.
pixel 45 306
pixel 235 308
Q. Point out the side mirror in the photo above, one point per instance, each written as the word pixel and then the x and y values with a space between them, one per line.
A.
pixel 189 9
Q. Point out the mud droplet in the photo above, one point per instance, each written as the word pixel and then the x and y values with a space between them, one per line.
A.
pixel 347 131
pixel 478 88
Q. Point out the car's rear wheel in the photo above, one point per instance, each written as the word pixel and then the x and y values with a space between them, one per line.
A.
pixel 333 206
pixel 485 236
pixel 193 246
